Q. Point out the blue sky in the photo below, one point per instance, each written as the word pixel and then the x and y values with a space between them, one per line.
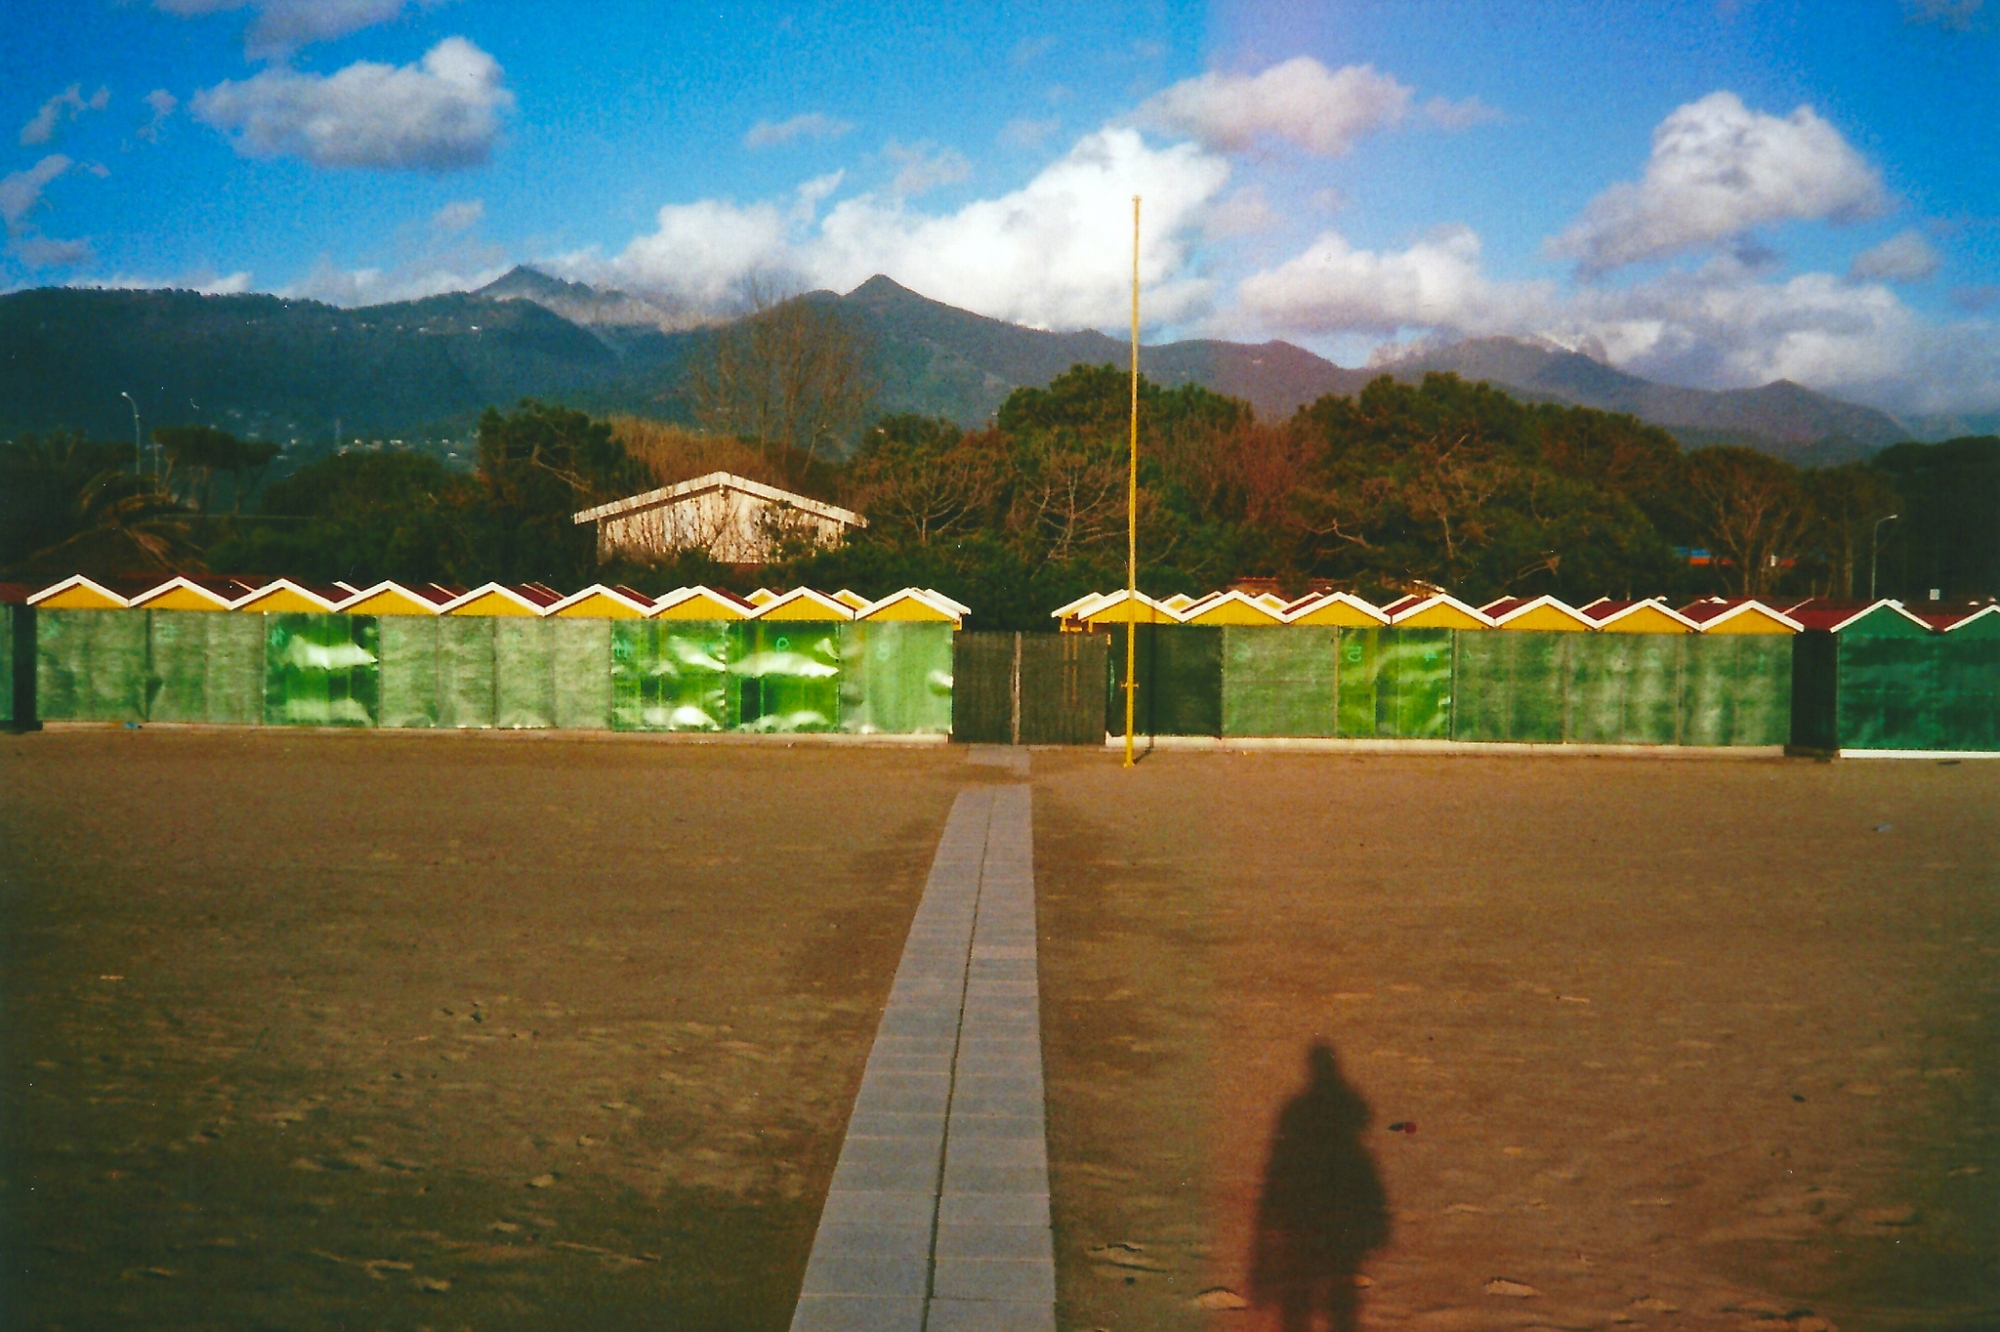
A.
pixel 1708 193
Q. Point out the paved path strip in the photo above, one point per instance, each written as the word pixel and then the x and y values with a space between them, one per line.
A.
pixel 938 1217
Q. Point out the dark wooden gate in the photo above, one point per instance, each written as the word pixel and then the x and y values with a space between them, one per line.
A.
pixel 1028 689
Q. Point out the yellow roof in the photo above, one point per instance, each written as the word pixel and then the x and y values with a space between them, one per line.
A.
pixel 1339 608
pixel 281 597
pixel 180 594
pixel 1645 617
pixel 1441 613
pixel 804 604
pixel 696 603
pixel 852 600
pixel 389 599
pixel 910 604
pixel 1118 608
pixel 1749 618
pixel 492 600
pixel 763 596
pixel 77 593
pixel 1546 613
pixel 1179 601
pixel 598 603
pixel 1233 608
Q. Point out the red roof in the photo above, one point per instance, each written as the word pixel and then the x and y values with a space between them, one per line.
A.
pixel 1496 609
pixel 1604 608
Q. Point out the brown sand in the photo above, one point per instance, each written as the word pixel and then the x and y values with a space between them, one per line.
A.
pixel 1685 1044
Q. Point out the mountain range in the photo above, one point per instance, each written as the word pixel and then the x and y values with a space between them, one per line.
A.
pixel 298 370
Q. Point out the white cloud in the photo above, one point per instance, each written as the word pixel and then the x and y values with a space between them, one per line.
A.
pixel 811 125
pixel 204 283
pixel 1436 283
pixel 162 104
pixel 283 26
pixel 440 115
pixel 923 167
pixel 459 215
pixel 48 252
pixel 1027 132
pixel 1718 169
pixel 65 105
pixel 20 191
pixel 1055 253
pixel 376 286
pixel 1904 257
pixel 1247 212
pixel 1450 115
pixel 1300 101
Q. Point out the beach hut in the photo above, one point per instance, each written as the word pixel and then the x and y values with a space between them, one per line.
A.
pixel 282 595
pixel 181 593
pixel 1738 615
pixel 1537 613
pixel 498 599
pixel 1231 608
pixel 599 602
pixel 853 600
pixel 1439 610
pixel 1336 610
pixel 912 604
pixel 390 598
pixel 1647 616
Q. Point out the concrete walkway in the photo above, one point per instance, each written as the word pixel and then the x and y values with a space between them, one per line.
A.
pixel 938 1217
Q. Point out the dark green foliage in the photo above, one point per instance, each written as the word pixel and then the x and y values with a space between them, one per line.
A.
pixel 1949 534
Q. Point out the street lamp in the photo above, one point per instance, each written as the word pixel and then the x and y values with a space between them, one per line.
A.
pixel 138 451
pixel 1875 549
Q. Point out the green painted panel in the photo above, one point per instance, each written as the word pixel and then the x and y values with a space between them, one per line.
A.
pixel 580 661
pixel 1187 679
pixel 1413 695
pixel 8 616
pixel 1986 626
pixel 524 679
pixel 1279 681
pixel 896 678
pixel 1738 689
pixel 321 670
pixel 786 675
pixel 1482 708
pixel 1965 693
pixel 1061 699
pixel 1358 673
pixel 90 665
pixel 1624 689
pixel 409 670
pixel 1885 622
pixel 465 689
pixel 206 666
pixel 982 688
pixel 670 675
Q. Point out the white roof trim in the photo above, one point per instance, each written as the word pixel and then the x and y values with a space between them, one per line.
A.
pixel 76 580
pixel 1076 608
pixel 249 600
pixel 1536 603
pixel 1437 598
pixel 1649 603
pixel 682 595
pixel 483 589
pixel 1186 614
pixel 821 599
pixel 1878 604
pixel 1312 604
pixel 920 595
pixel 1962 621
pixel 1744 607
pixel 643 607
pixel 153 594
pixel 943 600
pixel 720 481
pixel 400 589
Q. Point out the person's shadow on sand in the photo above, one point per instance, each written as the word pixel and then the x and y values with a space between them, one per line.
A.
pixel 1322 1208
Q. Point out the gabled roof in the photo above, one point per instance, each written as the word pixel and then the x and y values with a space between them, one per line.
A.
pixel 1738 615
pixel 391 598
pixel 1402 603
pixel 1440 610
pixel 1335 608
pixel 1179 601
pixel 182 594
pixel 282 594
pixel 1122 607
pixel 911 603
pixel 700 603
pixel 802 603
pixel 600 602
pixel 1838 617
pixel 1076 608
pixel 1650 616
pixel 1543 613
pixel 854 601
pixel 499 599
pixel 1982 622
pixel 1271 601
pixel 763 596
pixel 77 593
pixel 701 485
pixel 943 600
pixel 1230 607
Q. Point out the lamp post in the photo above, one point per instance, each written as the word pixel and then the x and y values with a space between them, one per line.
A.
pixel 138 450
pixel 1875 549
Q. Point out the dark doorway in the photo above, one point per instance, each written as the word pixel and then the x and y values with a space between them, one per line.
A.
pixel 1028 689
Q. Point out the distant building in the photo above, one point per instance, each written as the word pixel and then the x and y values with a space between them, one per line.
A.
pixel 736 520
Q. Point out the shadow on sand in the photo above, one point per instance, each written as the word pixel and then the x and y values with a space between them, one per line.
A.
pixel 1322 1208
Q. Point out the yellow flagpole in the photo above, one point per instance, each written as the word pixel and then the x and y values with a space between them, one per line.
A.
pixel 1132 504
